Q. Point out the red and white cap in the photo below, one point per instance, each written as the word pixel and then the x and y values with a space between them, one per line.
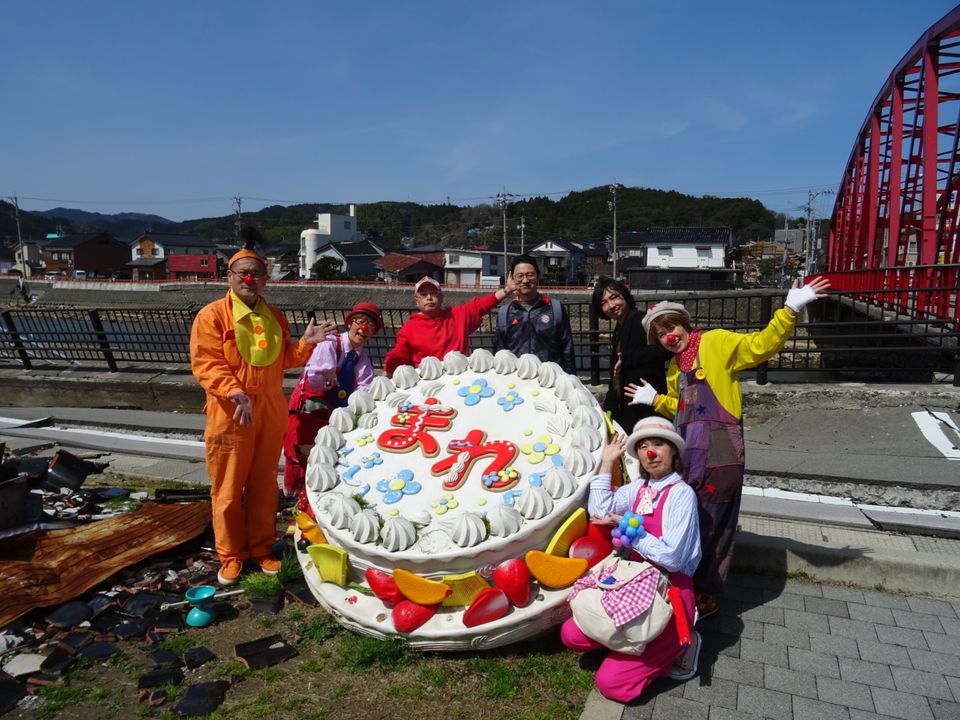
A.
pixel 426 281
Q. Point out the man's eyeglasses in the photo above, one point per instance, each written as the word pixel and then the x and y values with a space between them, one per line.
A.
pixel 256 274
pixel 525 276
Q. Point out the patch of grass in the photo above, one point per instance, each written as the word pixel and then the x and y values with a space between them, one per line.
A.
pixel 122 663
pixel 320 629
pixel 312 666
pixel 232 668
pixel 97 693
pixel 552 711
pixel 259 585
pixel 177 643
pixel 144 709
pixel 801 576
pixel 434 677
pixel 270 674
pixel 267 622
pixel 408 690
pixel 501 679
pixel 342 690
pixel 557 672
pixel 880 587
pixel 56 698
pixel 357 653
pixel 290 569
pixel 294 614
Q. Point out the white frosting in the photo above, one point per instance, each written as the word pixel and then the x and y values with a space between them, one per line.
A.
pixel 589 399
pixel 548 374
pixel 580 398
pixel 558 425
pixel 528 366
pixel 586 437
pixel 430 389
pixel 395 398
pixel 381 387
pixel 430 368
pixel 559 482
pixel 469 530
pixel 504 520
pixel 545 406
pixel 398 534
pixel 323 454
pixel 455 362
pixel 563 387
pixel 578 461
pixel 322 477
pixel 504 362
pixel 405 377
pixel 342 419
pixel 365 526
pixel 368 420
pixel 329 436
pixel 421 517
pixel 534 503
pixel 361 402
pixel 587 417
pixel 341 508
pixel 481 360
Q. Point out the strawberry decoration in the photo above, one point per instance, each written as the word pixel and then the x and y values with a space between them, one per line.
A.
pixel 491 604
pixel 384 586
pixel 513 578
pixel 408 615
pixel 592 549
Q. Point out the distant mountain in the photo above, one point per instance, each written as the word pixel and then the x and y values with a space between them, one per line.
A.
pixel 125 224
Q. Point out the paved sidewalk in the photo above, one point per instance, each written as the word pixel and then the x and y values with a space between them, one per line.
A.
pixel 795 650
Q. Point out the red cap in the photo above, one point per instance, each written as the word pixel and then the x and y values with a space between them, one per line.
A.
pixel 368 309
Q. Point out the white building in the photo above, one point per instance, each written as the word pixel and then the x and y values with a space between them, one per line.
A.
pixel 331 228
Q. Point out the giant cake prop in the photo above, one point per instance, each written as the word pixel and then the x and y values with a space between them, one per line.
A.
pixel 446 504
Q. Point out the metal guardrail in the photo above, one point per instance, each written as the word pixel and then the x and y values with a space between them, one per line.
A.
pixel 846 336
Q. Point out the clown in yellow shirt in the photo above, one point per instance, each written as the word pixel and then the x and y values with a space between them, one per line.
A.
pixel 703 399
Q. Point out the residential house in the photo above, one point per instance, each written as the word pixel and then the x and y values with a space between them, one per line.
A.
pixel 356 259
pixel 561 261
pixel 462 267
pixel 676 258
pixel 97 255
pixel 331 228
pixel 155 257
pixel 409 267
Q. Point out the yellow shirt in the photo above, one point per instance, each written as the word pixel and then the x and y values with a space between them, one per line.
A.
pixel 722 355
pixel 258 334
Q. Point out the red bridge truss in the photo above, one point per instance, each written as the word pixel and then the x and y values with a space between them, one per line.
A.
pixel 894 224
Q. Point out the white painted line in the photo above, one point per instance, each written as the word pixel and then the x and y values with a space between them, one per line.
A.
pixel 148 439
pixel 935 427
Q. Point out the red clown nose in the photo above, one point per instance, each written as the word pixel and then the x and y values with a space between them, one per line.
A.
pixel 651 454
pixel 671 338
pixel 365 328
pixel 248 280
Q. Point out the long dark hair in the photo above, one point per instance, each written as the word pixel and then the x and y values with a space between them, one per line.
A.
pixel 606 283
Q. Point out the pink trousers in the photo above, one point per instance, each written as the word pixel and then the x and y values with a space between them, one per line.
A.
pixel 623 677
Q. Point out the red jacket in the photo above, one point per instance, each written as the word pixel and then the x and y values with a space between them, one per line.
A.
pixel 422 336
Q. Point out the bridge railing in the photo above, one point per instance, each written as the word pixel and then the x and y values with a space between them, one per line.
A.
pixel 848 337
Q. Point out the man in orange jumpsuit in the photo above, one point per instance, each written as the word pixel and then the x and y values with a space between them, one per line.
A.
pixel 239 349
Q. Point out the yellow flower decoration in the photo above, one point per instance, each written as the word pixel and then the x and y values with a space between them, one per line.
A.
pixel 540 448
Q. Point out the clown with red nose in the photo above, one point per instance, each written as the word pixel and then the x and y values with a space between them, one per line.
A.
pixel 652 518
pixel 334 371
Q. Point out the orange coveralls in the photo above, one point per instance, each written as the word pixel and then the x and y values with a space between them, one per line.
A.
pixel 242 461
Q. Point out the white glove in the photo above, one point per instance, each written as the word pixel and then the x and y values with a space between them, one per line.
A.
pixel 799 298
pixel 644 395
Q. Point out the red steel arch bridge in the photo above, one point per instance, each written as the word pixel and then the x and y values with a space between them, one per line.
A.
pixel 893 238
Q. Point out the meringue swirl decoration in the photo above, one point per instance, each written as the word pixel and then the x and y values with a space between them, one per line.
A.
pixel 329 436
pixel 504 362
pixel 455 363
pixel 406 377
pixel 398 534
pixel 342 419
pixel 481 360
pixel 322 477
pixel 361 402
pixel 534 503
pixel 528 366
pixel 365 526
pixel 504 520
pixel 469 530
pixel 430 368
pixel 342 508
pixel 381 387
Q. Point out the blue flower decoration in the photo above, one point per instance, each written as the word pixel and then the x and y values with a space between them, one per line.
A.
pixel 368 461
pixel 509 401
pixel 490 478
pixel 474 391
pixel 395 488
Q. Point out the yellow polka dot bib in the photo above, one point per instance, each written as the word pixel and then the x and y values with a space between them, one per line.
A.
pixel 258 333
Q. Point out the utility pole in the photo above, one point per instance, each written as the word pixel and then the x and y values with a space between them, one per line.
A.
pixel 612 205
pixel 522 226
pixel 502 199
pixel 810 254
pixel 16 214
pixel 237 205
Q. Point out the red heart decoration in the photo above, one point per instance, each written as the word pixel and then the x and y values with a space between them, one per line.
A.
pixel 491 604
pixel 513 577
pixel 591 549
pixel 384 586
pixel 408 615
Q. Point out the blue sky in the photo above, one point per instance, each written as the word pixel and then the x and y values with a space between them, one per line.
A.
pixel 173 108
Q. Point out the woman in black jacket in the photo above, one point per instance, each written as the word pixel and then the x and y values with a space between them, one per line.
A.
pixel 630 356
